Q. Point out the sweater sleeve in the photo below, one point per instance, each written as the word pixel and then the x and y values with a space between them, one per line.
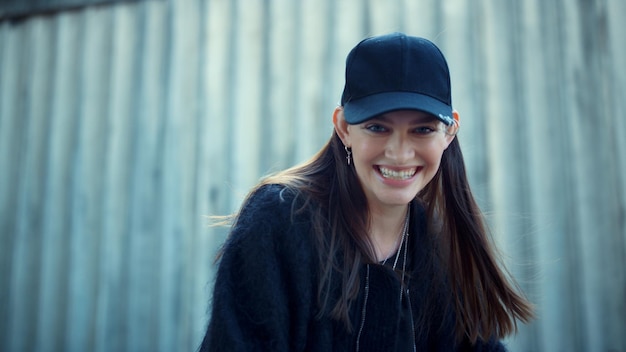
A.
pixel 263 289
pixel 492 345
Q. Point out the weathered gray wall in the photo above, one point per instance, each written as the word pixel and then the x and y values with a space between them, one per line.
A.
pixel 122 125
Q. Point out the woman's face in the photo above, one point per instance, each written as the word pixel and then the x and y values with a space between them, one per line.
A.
pixel 395 154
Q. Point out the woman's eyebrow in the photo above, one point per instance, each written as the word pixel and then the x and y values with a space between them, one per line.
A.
pixel 380 118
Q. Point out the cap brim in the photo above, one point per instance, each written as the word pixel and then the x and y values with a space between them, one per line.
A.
pixel 361 110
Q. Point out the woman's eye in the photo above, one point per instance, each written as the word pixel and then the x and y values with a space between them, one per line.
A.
pixel 375 128
pixel 425 130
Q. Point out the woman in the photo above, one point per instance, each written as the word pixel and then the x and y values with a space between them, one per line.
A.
pixel 376 243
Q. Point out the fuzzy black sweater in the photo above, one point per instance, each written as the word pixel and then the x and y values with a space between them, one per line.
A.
pixel 265 293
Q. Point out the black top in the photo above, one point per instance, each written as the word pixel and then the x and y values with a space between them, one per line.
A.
pixel 265 293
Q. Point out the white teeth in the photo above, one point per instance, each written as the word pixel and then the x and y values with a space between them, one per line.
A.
pixel 397 175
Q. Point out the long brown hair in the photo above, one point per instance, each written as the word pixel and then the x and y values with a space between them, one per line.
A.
pixel 339 218
pixel 485 300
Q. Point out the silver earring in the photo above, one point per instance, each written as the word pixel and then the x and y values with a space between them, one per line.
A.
pixel 348 155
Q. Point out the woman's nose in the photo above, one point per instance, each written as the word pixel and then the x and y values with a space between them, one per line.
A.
pixel 399 148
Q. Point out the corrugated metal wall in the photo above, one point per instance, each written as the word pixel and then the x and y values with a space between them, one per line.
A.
pixel 122 125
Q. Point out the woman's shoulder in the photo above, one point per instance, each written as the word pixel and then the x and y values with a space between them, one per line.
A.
pixel 271 209
pixel 269 199
pixel 274 192
pixel 266 229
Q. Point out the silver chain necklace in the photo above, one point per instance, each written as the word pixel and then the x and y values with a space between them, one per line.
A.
pixel 403 243
pixel 403 238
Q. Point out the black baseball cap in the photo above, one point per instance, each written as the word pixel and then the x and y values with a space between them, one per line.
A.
pixel 396 72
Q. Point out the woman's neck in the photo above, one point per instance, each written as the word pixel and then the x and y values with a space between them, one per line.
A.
pixel 385 230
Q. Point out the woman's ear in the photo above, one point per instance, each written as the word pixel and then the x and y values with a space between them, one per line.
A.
pixel 341 126
pixel 453 129
pixel 456 117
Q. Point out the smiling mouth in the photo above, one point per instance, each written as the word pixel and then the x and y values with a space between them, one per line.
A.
pixel 397 174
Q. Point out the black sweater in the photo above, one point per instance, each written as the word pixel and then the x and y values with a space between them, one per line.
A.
pixel 265 293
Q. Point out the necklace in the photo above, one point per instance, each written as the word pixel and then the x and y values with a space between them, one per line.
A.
pixel 403 243
pixel 403 238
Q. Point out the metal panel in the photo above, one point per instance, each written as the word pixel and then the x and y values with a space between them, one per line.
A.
pixel 19 9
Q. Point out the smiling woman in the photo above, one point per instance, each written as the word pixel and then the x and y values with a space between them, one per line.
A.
pixel 376 243
pixel 395 154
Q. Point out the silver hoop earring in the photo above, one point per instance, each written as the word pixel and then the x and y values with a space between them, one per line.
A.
pixel 348 155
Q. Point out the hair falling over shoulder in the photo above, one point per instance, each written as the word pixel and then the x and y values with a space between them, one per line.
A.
pixel 341 207
pixel 487 301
